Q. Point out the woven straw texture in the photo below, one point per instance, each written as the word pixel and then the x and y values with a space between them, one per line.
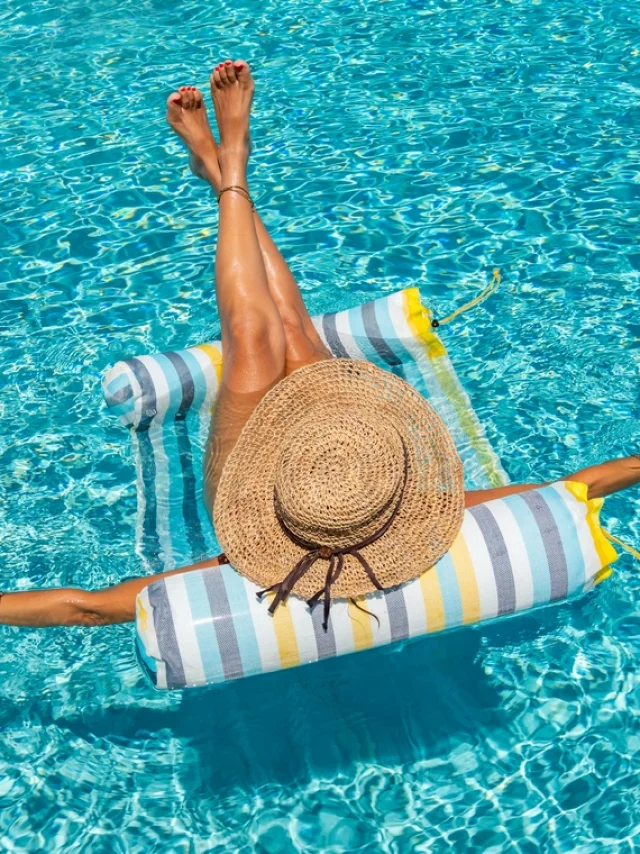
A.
pixel 329 444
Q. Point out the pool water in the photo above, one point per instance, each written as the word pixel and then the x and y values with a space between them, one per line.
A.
pixel 396 143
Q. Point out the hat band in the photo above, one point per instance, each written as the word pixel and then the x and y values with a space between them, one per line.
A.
pixel 335 557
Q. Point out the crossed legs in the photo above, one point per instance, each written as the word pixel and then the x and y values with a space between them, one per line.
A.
pixel 266 330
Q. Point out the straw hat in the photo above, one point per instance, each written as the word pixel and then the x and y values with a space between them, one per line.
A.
pixel 343 481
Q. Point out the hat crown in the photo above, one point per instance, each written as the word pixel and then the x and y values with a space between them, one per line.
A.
pixel 338 478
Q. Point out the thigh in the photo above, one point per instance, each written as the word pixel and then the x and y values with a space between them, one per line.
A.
pixel 241 390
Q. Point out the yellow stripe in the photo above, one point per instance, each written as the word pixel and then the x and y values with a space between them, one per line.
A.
pixel 360 626
pixel 605 551
pixel 215 358
pixel 418 319
pixel 432 597
pixel 467 581
pixel 286 636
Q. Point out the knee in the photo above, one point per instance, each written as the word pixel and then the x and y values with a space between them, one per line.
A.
pixel 255 332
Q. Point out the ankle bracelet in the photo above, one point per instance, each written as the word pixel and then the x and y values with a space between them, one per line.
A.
pixel 235 188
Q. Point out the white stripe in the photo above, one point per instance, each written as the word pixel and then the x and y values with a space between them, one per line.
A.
pixel 163 495
pixel 482 567
pixel 517 551
pixel 160 385
pixel 578 509
pixel 141 503
pixel 184 629
pixel 211 382
pixel 208 370
pixel 377 604
pixel 303 628
pixel 341 622
pixel 317 322
pixel 166 491
pixel 414 603
pixel 264 629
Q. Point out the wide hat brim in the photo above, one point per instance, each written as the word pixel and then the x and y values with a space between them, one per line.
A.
pixel 429 515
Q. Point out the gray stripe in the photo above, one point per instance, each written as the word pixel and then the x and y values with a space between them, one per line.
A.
pixel 166 634
pixel 499 558
pixel 552 542
pixel 148 400
pixel 186 381
pixel 223 623
pixel 150 541
pixel 333 339
pixel 325 641
pixel 397 610
pixel 377 340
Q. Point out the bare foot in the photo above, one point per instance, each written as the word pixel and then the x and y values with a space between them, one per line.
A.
pixel 232 91
pixel 187 115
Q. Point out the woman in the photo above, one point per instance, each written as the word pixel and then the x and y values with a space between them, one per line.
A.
pixel 267 335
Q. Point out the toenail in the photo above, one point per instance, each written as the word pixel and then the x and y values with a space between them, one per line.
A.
pixel 228 62
pixel 175 100
pixel 238 67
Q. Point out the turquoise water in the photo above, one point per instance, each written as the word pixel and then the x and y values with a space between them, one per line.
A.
pixel 395 143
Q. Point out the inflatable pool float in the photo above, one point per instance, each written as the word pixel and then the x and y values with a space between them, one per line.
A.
pixel 208 626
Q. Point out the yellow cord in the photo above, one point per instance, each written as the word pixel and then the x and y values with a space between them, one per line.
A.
pixel 491 288
pixel 622 544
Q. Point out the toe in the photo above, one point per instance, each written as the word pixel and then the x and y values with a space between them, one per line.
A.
pixel 215 78
pixel 230 71
pixel 243 72
pixel 197 98
pixel 174 104
pixel 222 70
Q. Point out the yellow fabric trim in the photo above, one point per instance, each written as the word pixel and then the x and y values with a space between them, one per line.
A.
pixel 432 598
pixel 630 549
pixel 605 551
pixel 214 356
pixel 467 580
pixel 142 614
pixel 360 626
pixel 418 319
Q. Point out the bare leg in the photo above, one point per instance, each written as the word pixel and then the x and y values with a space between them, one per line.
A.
pixel 302 343
pixel 601 480
pixel 253 338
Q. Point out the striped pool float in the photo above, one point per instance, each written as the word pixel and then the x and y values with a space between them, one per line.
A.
pixel 514 553
pixel 166 401
pixel 207 626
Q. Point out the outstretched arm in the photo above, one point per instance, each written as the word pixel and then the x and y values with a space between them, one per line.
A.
pixel 601 480
pixel 68 606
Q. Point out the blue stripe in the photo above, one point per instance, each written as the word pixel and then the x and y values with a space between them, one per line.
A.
pixel 202 620
pixel 540 574
pixel 242 621
pixel 117 383
pixel 576 570
pixel 122 408
pixel 450 590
